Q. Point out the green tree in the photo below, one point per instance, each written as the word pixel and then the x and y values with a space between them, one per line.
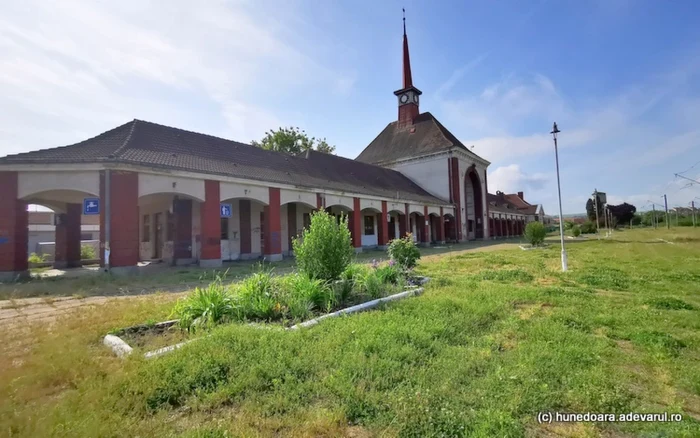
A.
pixel 622 213
pixel 292 141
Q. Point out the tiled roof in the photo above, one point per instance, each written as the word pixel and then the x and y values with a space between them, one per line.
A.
pixel 500 203
pixel 426 136
pixel 151 144
pixel 521 204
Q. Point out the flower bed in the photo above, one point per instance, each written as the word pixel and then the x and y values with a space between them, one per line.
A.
pixel 264 300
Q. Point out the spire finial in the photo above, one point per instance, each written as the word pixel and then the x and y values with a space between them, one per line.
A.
pixel 404 20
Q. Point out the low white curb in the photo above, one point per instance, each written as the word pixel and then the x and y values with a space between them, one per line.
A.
pixel 358 308
pixel 118 346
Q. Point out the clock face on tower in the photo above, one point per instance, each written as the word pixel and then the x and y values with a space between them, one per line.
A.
pixel 404 98
pixel 415 98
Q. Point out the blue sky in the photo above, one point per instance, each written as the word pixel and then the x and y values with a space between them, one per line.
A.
pixel 620 77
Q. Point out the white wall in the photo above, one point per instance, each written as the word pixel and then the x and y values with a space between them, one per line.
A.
pixel 229 190
pixel 30 183
pixel 430 173
pixel 151 183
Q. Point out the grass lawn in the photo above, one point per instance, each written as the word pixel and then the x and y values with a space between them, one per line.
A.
pixel 497 337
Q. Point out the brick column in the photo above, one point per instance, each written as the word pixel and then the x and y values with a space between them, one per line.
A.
pixel 273 227
pixel 245 228
pixel 425 238
pixel 356 225
pixel 67 253
pixel 210 220
pixel 456 198
pixel 383 231
pixel 319 201
pixel 124 222
pixel 441 227
pixel 13 230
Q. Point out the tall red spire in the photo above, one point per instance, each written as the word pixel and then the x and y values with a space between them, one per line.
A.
pixel 408 95
pixel 407 79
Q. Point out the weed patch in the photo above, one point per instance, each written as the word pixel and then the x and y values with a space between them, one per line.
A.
pixel 508 275
pixel 669 303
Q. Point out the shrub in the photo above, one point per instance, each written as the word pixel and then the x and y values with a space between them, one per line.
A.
pixel 576 230
pixel 588 227
pixel 568 225
pixel 36 258
pixel 404 252
pixel 87 252
pixel 535 233
pixel 205 307
pixel 325 249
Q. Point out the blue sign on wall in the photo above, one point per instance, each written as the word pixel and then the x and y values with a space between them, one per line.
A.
pixel 225 210
pixel 91 206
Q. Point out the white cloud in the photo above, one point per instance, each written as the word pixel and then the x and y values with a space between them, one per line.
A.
pixel 511 179
pixel 79 68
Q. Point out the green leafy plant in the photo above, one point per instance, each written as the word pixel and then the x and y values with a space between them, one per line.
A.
pixel 370 283
pixel 205 307
pixel 535 233
pixel 576 231
pixel 258 296
pixel 404 252
pixel 87 252
pixel 36 258
pixel 325 249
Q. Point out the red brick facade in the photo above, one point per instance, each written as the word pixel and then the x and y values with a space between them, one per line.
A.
pixel 13 226
pixel 124 224
pixel 273 236
pixel 210 220
pixel 383 226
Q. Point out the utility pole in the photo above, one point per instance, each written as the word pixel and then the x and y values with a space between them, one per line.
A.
pixel 653 218
pixel 668 223
pixel 692 204
pixel 605 216
pixel 597 221
pixel 564 260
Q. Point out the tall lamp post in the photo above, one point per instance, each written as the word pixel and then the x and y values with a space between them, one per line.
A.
pixel 564 262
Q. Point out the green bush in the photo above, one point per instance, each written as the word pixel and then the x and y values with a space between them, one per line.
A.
pixel 205 307
pixel 36 258
pixel 370 283
pixel 87 252
pixel 535 233
pixel 588 227
pixel 576 231
pixel 325 249
pixel 568 225
pixel 404 252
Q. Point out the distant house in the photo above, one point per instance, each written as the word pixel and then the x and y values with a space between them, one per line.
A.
pixel 510 213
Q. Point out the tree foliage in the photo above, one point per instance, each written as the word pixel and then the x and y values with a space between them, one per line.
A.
pixel 623 213
pixel 292 141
